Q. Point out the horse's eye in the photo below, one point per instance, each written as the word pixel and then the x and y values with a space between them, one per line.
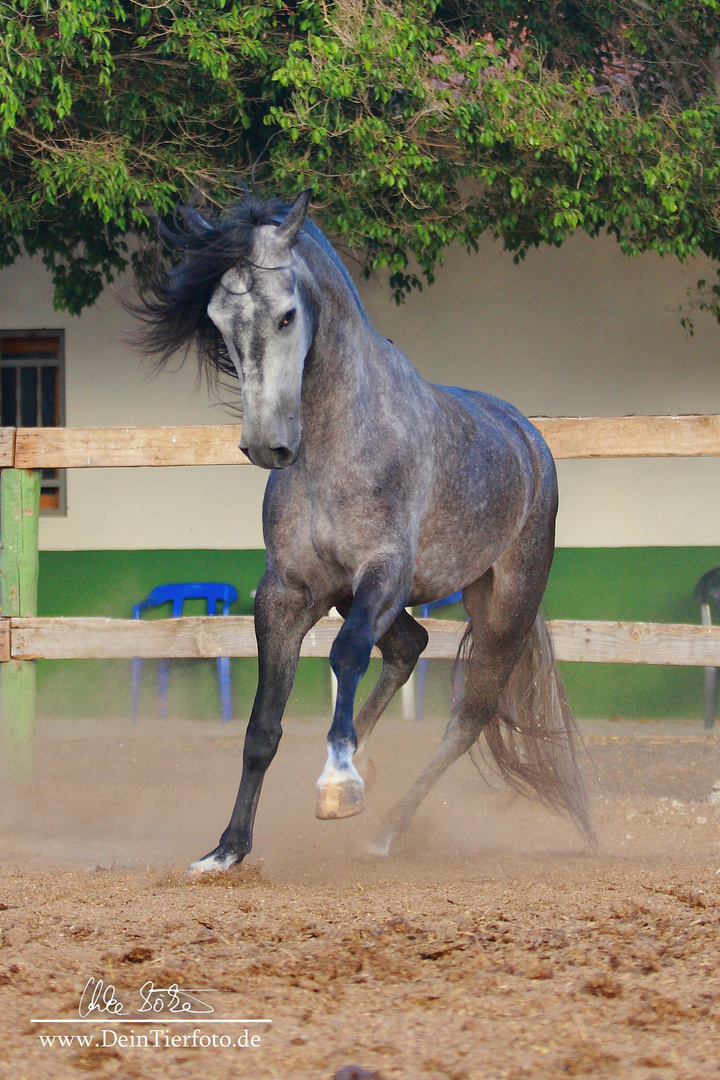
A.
pixel 286 319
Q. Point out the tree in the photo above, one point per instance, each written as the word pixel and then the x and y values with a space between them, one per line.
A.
pixel 418 124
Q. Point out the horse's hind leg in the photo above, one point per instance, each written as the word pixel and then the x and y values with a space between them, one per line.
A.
pixel 502 606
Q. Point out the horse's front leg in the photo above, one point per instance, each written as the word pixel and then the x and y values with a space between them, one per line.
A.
pixel 283 617
pixel 378 597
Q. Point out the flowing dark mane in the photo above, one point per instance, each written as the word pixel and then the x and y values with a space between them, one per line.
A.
pixel 173 301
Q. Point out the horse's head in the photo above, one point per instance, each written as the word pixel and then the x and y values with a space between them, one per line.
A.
pixel 264 318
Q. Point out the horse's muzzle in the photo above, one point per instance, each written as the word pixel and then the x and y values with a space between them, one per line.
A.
pixel 271 457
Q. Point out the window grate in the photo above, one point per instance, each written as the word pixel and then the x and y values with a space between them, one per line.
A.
pixel 32 394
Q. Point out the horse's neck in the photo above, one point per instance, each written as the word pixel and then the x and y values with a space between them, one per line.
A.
pixel 347 359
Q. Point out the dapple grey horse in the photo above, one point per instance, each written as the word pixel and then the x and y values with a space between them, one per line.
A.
pixel 384 492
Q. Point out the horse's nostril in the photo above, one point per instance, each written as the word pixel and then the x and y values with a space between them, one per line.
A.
pixel 282 456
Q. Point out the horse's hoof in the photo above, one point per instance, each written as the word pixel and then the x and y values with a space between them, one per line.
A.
pixel 214 863
pixel 380 846
pixel 338 800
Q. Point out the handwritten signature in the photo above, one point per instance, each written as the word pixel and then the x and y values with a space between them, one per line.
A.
pixel 100 997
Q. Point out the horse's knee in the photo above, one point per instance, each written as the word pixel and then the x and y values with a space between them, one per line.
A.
pixel 404 643
pixel 413 643
pixel 260 748
pixel 350 653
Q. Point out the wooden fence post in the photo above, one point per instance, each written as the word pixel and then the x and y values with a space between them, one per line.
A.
pixel 19 514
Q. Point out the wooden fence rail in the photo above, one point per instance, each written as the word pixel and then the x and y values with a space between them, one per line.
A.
pixel 567 436
pixel 234 635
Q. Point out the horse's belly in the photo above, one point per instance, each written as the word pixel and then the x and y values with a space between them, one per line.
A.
pixel 439 573
pixel 458 544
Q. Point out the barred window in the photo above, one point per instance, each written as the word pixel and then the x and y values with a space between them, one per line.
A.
pixel 32 394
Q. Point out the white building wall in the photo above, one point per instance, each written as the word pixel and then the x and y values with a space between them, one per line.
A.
pixel 578 330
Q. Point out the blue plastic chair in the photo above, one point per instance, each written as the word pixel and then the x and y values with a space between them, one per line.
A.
pixel 422 664
pixel 176 595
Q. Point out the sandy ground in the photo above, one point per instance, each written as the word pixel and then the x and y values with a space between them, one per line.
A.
pixel 490 944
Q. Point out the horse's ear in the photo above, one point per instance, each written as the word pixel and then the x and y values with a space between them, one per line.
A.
pixel 293 223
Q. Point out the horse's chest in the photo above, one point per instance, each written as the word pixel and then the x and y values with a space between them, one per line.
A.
pixel 348 525
pixel 340 533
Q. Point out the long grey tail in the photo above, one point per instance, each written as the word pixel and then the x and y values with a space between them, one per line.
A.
pixel 533 739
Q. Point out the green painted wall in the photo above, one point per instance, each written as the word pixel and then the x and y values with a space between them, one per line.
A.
pixel 650 584
pixel 654 584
